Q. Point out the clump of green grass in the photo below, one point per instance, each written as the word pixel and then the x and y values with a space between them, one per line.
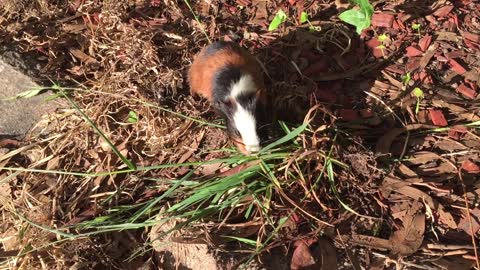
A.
pixel 251 189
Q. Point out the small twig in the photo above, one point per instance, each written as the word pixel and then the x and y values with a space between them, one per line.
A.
pixel 198 20
pixel 448 247
pixel 469 217
pixel 448 253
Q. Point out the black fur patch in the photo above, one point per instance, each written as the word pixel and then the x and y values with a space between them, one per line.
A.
pixel 223 79
pixel 221 84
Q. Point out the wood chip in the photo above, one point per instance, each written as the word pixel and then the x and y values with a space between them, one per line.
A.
pixel 470 166
pixel 424 42
pixel 412 51
pixel 382 20
pixel 437 117
pixel 457 67
pixel 443 11
pixel 467 91
pixel 428 55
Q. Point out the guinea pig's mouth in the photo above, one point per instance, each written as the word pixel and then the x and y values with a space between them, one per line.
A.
pixel 245 149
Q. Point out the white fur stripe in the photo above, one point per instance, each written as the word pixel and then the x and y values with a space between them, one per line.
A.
pixel 243 86
pixel 245 124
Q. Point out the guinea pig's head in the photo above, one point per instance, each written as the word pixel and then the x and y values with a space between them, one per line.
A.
pixel 239 107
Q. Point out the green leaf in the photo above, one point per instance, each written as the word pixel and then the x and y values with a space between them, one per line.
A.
pixel 381 47
pixel 406 78
pixel 132 117
pixel 416 26
pixel 356 18
pixel 27 94
pixel 279 18
pixel 303 17
pixel 418 92
pixel 382 37
pixel 366 7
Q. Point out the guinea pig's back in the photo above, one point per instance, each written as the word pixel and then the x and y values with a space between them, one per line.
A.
pixel 220 57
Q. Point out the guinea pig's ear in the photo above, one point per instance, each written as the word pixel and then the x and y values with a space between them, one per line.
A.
pixel 260 96
pixel 228 102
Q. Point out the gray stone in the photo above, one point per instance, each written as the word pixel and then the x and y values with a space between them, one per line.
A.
pixel 18 116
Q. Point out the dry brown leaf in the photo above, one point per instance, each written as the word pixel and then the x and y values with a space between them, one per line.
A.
pixel 302 258
pixel 409 237
pixel 53 163
pixel 464 223
pixel 406 171
pixel 449 145
pixel 424 160
pixel 368 241
pixel 385 142
pixel 391 184
pixel 311 255
pixel 85 58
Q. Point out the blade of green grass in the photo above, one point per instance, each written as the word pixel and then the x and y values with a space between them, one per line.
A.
pixel 281 222
pixel 10 177
pixel 227 161
pixel 54 231
pixel 331 178
pixel 249 242
pixel 197 19
pixel 142 211
pixel 218 186
pixel 290 136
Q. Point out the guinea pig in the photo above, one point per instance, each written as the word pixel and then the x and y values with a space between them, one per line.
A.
pixel 232 81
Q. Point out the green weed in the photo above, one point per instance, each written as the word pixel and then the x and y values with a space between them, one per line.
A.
pixel 360 18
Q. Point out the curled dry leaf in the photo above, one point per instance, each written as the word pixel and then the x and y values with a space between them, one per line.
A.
pixel 310 255
pixel 302 258
pixel 409 237
pixel 470 227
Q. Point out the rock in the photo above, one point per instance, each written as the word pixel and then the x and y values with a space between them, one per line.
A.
pixel 18 116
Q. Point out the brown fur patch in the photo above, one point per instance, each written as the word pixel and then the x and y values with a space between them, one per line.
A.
pixel 200 74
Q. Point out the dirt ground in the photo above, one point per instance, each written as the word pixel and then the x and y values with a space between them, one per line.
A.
pixel 384 176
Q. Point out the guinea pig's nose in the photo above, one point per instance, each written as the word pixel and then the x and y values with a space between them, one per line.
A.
pixel 252 149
